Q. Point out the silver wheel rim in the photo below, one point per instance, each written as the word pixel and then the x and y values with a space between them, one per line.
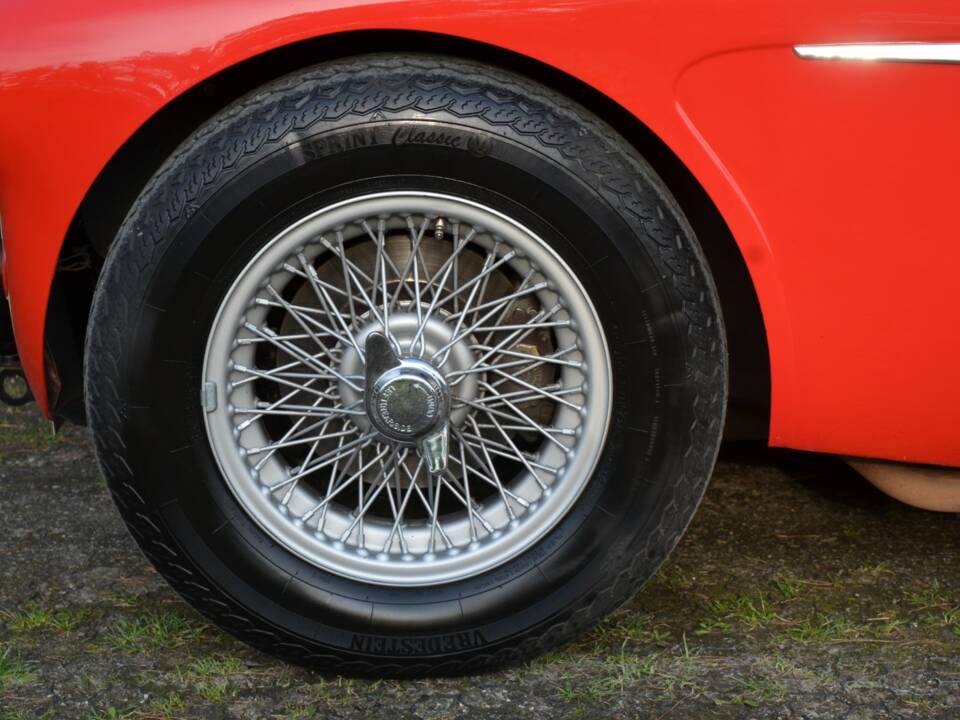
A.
pixel 463 291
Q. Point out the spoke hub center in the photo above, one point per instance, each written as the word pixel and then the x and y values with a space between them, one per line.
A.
pixel 408 401
pixel 436 334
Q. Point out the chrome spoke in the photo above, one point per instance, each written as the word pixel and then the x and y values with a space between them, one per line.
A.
pixel 350 273
pixel 520 396
pixel 512 445
pixel 537 390
pixel 461 492
pixel 293 432
pixel 459 334
pixel 280 380
pixel 302 320
pixel 343 484
pixel 553 358
pixel 516 336
pixel 383 260
pixel 309 360
pixel 329 306
pixel 477 278
pixel 300 441
pixel 446 268
pixel 442 352
pixel 325 460
pixel 294 410
pixel 508 300
pixel 525 366
pixel 280 371
pixel 487 462
pixel 515 416
pixel 397 529
pixel 269 408
pixel 506 451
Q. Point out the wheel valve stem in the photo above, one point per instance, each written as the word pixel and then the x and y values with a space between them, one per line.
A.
pixel 438 229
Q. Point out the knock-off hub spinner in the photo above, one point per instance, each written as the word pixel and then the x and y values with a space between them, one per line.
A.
pixel 407 400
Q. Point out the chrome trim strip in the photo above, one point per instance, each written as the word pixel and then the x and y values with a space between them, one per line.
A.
pixel 921 52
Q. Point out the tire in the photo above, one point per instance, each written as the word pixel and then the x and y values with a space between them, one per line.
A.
pixel 579 203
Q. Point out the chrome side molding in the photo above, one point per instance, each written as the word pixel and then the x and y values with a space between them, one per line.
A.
pixel 920 52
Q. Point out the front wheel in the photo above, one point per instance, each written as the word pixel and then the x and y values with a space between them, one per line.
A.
pixel 406 366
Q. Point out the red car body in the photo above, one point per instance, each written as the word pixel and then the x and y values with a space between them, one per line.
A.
pixel 837 180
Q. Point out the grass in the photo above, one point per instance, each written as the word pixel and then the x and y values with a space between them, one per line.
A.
pixel 756 691
pixel 753 610
pixel 788 587
pixel 153 630
pixel 214 691
pixel 886 624
pixel 125 599
pixel 821 629
pixel 27 620
pixel 334 689
pixel 166 707
pixel 825 629
pixel 26 715
pixel 111 713
pixel 712 625
pixel 215 667
pixel 623 675
pixel 32 437
pixel 13 668
pixel 674 578
pixel 809 625
pixel 19 433
pixel 951 619
pixel 932 597
pixel 65 621
pixel 618 673
pixel 633 629
pixel 934 607
pixel 875 570
pixel 299 711
pixel 923 704
pixel 210 677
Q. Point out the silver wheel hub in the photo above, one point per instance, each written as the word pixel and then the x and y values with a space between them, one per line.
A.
pixel 406 388
pixel 403 328
pixel 408 401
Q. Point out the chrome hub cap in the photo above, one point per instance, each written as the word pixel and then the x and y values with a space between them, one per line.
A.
pixel 406 388
pixel 408 401
pixel 437 333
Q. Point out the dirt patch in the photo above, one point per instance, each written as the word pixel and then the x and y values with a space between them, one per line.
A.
pixel 798 592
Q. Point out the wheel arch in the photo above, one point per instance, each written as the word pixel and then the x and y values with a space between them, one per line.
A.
pixel 124 176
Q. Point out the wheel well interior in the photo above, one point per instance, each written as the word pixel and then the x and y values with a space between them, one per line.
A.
pixel 125 175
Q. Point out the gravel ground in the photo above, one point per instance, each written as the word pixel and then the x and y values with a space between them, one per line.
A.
pixel 798 592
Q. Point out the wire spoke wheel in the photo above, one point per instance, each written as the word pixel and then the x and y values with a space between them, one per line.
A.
pixel 438 363
pixel 454 459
